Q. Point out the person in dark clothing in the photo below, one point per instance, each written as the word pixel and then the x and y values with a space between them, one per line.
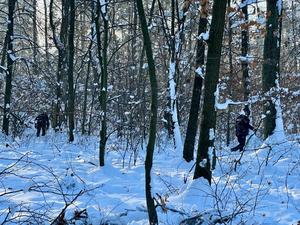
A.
pixel 41 124
pixel 242 126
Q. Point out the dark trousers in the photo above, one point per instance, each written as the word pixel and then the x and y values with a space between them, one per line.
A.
pixel 39 128
pixel 241 145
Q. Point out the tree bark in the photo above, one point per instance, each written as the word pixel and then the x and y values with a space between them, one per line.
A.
pixel 191 131
pixel 294 33
pixel 60 43
pixel 10 62
pixel 103 85
pixel 153 120
pixel 208 122
pixel 176 42
pixel 271 64
pixel 84 113
pixel 245 47
pixel 71 92
pixel 35 37
pixel 229 87
pixel 46 32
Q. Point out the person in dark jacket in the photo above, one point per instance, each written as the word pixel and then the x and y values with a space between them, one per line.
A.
pixel 242 126
pixel 41 124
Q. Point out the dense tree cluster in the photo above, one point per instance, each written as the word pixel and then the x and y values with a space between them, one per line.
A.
pixel 86 63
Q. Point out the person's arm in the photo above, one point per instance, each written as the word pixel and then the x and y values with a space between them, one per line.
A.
pixel 47 122
pixel 250 127
pixel 35 122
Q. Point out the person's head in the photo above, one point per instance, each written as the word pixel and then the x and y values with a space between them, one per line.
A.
pixel 246 110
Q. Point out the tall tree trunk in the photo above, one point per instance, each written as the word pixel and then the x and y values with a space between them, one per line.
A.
pixel 208 122
pixel 71 92
pixel 60 43
pixel 294 23
pixel 152 132
pixel 172 112
pixel 95 30
pixel 176 42
pixel 35 37
pixel 229 87
pixel 46 32
pixel 271 63
pixel 245 67
pixel 191 131
pixel 84 113
pixel 142 85
pixel 4 54
pixel 10 62
pixel 103 85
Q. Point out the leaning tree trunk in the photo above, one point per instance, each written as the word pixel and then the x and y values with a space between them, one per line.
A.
pixel 152 132
pixel 271 63
pixel 208 122
pixel 191 131
pixel 142 85
pixel 71 92
pixel 10 62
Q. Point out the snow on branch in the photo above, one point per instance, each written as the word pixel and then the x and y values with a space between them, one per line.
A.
pixel 245 3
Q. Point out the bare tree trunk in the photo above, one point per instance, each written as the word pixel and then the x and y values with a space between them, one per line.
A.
pixel 294 23
pixel 95 30
pixel 228 128
pixel 4 54
pixel 245 67
pixel 152 132
pixel 35 37
pixel 61 44
pixel 71 91
pixel 10 62
pixel 172 85
pixel 191 131
pixel 103 85
pixel 176 42
pixel 84 113
pixel 46 31
pixel 271 63
pixel 208 122
pixel 142 85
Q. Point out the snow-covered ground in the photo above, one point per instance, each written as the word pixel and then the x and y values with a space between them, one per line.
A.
pixel 40 178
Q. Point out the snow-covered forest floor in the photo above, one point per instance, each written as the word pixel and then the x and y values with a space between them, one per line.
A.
pixel 46 178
